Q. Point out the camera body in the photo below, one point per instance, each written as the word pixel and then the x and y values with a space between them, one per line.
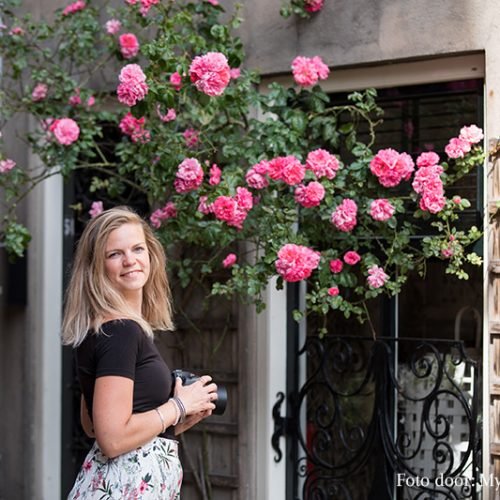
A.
pixel 189 378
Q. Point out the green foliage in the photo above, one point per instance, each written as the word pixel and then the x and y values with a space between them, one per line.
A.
pixel 246 124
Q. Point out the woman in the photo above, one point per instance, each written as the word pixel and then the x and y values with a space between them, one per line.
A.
pixel 118 294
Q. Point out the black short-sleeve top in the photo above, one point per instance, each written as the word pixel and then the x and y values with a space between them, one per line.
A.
pixel 122 348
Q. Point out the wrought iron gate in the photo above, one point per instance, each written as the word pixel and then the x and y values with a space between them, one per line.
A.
pixel 364 426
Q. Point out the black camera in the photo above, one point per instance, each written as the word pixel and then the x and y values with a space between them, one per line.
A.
pixel 189 378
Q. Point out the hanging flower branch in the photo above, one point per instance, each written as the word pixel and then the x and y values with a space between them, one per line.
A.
pixel 302 8
pixel 261 198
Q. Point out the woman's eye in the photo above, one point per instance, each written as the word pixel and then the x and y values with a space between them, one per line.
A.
pixel 113 254
pixel 139 249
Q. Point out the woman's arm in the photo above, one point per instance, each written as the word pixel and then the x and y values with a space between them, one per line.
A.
pixel 87 425
pixel 118 430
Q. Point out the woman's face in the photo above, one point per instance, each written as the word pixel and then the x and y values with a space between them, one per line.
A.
pixel 127 262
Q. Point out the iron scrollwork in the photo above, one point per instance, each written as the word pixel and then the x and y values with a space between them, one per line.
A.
pixel 385 416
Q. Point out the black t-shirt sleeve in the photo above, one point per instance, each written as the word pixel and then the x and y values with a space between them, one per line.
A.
pixel 118 348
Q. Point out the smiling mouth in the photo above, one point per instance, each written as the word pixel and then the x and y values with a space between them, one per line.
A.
pixel 131 273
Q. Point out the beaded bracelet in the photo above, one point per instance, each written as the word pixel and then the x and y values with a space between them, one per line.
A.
pixel 163 427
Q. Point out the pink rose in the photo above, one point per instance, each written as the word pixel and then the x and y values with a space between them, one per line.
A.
pixel 204 207
pixel 16 30
pixel 256 176
pixel 191 137
pixel 229 261
pixel 457 148
pixel 96 208
pixel 309 195
pixel 6 165
pixel 381 209
pixel 307 71
pixel 113 26
pixel 234 73
pixel 168 117
pixel 313 5
pixel 287 169
pixel 447 252
pixel 129 45
pixel 146 5
pixel 73 7
pixel 457 200
pixel 472 134
pixel 322 164
pixel 39 92
pixel 65 130
pixel 133 86
pixel 333 291
pixel 210 73
pixel 432 201
pixel 169 211
pixel 391 167
pixel 296 262
pixel 176 80
pixel 336 266
pixel 215 175
pixel 376 277
pixel 428 159
pixel 135 128
pixel 90 101
pixel 227 209
pixel 189 176
pixel 213 2
pixel 351 257
pixel 344 216
pixel 75 99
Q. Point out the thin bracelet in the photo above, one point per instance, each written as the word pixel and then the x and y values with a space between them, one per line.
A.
pixel 182 408
pixel 162 420
pixel 177 412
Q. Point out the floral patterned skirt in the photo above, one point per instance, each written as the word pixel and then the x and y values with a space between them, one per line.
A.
pixel 151 472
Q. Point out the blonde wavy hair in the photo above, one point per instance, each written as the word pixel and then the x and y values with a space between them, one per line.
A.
pixel 90 297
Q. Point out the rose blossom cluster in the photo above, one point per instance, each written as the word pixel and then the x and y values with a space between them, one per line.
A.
pixel 145 5
pixel 6 165
pixel 133 86
pixel 167 212
pixel 308 70
pixel 233 210
pixel 134 128
pixel 256 176
pixel 376 277
pixel 189 176
pixel 65 130
pixel 427 182
pixel 391 167
pixel 39 92
pixel 309 195
pixel 459 146
pixel 313 5
pixel 322 164
pixel 191 137
pixel 210 73
pixel 113 26
pixel 296 262
pixel 344 217
pixel 381 209
pixel 215 175
pixel 129 45
pixel 287 169
pixel 73 7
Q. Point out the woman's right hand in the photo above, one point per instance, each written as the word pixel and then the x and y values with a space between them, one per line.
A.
pixel 198 396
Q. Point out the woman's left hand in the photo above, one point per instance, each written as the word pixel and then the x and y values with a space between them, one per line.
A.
pixel 192 420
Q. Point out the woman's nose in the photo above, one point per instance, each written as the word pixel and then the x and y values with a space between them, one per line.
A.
pixel 128 259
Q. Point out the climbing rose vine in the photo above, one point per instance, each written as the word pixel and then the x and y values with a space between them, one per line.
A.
pixel 291 195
